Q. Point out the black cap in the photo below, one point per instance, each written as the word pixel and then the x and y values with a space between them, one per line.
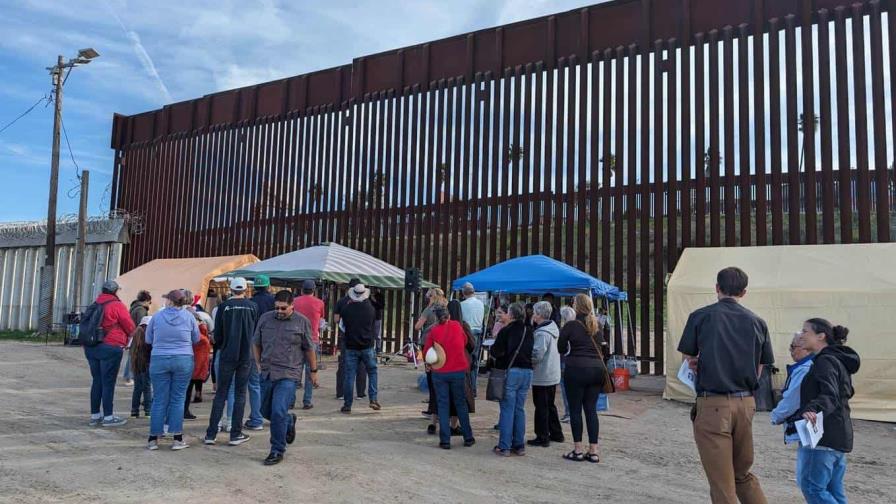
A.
pixel 353 282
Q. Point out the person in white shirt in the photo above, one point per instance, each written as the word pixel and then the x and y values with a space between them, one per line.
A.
pixel 473 311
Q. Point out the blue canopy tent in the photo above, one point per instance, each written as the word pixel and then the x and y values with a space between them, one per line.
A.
pixel 539 274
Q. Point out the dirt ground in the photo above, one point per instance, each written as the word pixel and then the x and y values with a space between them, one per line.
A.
pixel 49 454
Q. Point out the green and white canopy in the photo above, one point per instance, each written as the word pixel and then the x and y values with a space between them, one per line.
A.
pixel 328 262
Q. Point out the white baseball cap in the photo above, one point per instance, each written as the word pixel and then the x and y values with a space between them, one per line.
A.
pixel 238 284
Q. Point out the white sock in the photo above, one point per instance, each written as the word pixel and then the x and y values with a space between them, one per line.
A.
pixel 109 418
pixel 96 416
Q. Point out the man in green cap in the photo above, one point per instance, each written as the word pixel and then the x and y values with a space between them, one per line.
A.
pixel 265 301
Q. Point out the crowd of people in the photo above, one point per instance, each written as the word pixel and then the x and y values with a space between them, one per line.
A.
pixel 264 346
pixel 728 346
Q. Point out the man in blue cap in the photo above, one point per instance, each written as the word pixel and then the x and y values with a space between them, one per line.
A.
pixel 265 302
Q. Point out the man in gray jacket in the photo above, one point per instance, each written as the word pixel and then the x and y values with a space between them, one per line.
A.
pixel 545 377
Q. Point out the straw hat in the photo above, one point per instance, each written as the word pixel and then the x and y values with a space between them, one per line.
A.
pixel 435 356
pixel 359 292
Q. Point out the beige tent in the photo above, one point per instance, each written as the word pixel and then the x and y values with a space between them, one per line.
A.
pixel 850 285
pixel 162 275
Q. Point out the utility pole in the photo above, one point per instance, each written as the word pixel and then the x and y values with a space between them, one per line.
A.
pixel 48 272
pixel 82 241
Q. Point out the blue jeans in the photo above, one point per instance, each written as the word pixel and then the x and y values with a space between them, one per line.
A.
pixel 142 388
pixel 255 418
pixel 228 410
pixel 309 388
pixel 104 361
pixel 353 358
pixel 170 376
pixel 450 388
pixel 126 374
pixel 275 407
pixel 563 390
pixel 819 474
pixel 512 422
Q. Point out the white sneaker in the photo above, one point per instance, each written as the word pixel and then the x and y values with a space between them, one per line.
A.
pixel 129 383
pixel 95 422
pixel 114 421
pixel 179 445
pixel 152 445
pixel 208 441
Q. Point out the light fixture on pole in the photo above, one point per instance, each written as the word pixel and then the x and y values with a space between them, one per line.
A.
pixel 48 272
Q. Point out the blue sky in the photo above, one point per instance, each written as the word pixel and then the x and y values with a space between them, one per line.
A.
pixel 156 52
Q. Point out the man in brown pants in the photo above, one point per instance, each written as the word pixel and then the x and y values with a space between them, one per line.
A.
pixel 727 344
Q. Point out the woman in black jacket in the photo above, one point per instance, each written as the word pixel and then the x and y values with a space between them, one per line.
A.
pixel 825 392
pixel 513 351
pixel 584 375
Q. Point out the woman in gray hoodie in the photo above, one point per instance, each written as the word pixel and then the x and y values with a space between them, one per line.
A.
pixel 545 377
pixel 172 333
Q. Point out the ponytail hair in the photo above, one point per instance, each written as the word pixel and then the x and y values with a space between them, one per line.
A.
pixel 584 307
pixel 833 335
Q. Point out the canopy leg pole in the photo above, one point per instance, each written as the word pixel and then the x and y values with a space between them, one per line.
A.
pixel 631 331
pixel 411 345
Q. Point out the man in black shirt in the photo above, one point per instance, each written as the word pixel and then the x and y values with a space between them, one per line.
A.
pixel 727 345
pixel 234 326
pixel 358 316
pixel 361 380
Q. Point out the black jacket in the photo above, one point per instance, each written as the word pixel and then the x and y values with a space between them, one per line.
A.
pixel 508 340
pixel 827 388
pixel 358 318
pixel 581 348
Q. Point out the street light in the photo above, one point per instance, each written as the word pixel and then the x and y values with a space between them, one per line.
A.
pixel 48 272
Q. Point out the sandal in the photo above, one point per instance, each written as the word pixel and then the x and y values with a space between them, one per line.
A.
pixel 592 457
pixel 574 456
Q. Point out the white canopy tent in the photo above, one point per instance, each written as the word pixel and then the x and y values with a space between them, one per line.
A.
pixel 329 262
pixel 850 285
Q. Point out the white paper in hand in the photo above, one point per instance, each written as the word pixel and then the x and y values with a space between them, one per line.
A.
pixel 810 434
pixel 687 375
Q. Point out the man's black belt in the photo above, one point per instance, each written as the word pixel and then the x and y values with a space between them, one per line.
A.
pixel 742 393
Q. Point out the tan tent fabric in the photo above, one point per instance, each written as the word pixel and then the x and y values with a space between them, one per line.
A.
pixel 162 275
pixel 850 285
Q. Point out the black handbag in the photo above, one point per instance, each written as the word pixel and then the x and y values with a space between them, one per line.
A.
pixel 497 378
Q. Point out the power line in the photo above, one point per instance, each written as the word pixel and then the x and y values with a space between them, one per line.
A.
pixel 23 114
pixel 70 153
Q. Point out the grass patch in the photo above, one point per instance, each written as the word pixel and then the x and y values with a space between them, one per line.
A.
pixel 30 337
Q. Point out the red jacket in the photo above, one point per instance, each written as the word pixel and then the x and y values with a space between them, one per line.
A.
pixel 117 321
pixel 200 354
pixel 453 340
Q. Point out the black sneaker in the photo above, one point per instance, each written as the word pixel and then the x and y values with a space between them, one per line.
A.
pixel 346 410
pixel 189 416
pixel 273 459
pixel 470 442
pixel 544 443
pixel 307 406
pixel 238 440
pixel 431 429
pixel 135 414
pixel 456 431
pixel 445 446
pixel 248 426
pixel 291 430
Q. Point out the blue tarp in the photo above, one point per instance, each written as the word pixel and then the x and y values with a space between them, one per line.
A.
pixel 538 274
